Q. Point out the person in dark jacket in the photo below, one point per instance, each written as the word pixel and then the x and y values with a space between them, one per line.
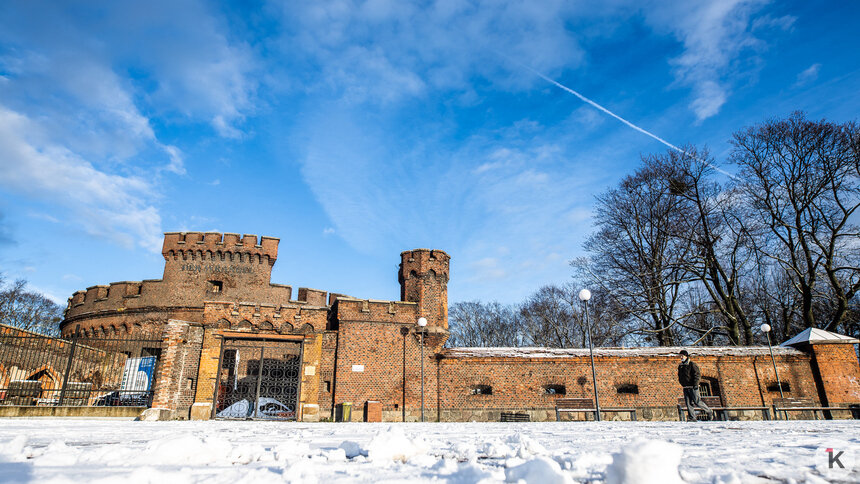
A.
pixel 689 376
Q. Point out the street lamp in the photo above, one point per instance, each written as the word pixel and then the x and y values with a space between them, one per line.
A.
pixel 584 296
pixel 422 322
pixel 765 328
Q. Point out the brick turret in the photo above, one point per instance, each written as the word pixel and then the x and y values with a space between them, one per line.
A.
pixel 424 280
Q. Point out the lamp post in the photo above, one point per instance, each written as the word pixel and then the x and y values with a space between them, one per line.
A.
pixel 584 296
pixel 765 328
pixel 422 322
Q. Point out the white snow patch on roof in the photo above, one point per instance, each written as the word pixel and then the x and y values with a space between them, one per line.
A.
pixel 815 335
pixel 662 351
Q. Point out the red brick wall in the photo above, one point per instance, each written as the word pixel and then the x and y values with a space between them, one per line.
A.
pixel 379 347
pixel 519 383
pixel 839 372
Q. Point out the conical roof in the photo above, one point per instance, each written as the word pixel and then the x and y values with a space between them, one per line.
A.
pixel 818 336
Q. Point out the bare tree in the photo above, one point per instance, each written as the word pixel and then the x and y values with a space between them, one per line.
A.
pixel 802 182
pixel 722 253
pixel 637 254
pixel 28 310
pixel 475 324
pixel 554 317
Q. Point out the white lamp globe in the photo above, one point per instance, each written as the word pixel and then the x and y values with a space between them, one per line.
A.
pixel 584 295
pixel 422 322
pixel 765 328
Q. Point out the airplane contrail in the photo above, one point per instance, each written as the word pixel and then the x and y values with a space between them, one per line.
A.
pixel 628 123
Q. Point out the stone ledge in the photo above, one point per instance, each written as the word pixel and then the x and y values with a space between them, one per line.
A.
pixel 12 411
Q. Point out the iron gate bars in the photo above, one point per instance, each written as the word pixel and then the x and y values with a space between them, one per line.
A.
pixel 258 378
pixel 112 369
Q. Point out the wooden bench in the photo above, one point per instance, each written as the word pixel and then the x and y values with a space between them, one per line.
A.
pixel 585 405
pixel 515 417
pixel 785 405
pixel 720 411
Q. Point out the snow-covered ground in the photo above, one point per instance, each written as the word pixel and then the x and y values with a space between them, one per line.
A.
pixel 55 450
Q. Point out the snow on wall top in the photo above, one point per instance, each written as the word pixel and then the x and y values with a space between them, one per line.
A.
pixel 665 351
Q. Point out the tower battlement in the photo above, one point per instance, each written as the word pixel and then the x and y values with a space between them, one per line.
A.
pixel 422 261
pixel 218 246
pixel 423 277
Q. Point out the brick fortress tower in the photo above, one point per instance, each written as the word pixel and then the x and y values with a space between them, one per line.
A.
pixel 423 279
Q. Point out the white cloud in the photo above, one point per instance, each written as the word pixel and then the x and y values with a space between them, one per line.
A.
pixel 328 231
pixel 809 75
pixel 80 86
pixel 714 34
pixel 382 51
pixel 102 204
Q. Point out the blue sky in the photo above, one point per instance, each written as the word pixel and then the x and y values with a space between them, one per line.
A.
pixel 356 130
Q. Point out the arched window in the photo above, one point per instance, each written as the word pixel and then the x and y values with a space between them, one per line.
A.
pixel 709 387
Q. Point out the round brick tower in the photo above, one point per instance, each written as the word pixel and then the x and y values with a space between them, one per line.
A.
pixel 424 280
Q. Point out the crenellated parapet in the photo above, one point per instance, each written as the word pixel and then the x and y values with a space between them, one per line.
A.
pixel 112 296
pixel 215 246
pixel 424 263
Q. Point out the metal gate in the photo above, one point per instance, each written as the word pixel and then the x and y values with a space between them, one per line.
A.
pixel 258 379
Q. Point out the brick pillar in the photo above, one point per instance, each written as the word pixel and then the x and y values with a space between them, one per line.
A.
pixel 839 373
pixel 175 382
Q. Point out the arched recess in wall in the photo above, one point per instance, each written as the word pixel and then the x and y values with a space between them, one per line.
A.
pixel 306 328
pixel 221 324
pixel 286 328
pixel 266 326
pixel 431 274
pixel 50 380
pixel 710 387
pixel 244 325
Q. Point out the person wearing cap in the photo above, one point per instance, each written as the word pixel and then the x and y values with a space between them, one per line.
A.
pixel 689 376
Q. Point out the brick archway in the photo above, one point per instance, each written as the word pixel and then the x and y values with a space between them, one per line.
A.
pixel 51 380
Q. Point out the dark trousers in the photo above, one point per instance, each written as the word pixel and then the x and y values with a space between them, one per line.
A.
pixel 692 398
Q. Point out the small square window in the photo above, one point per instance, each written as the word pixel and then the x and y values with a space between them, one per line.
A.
pixel 555 390
pixel 216 286
pixel 774 386
pixel 481 390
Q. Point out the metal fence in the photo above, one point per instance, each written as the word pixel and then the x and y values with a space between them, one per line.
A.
pixel 111 370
